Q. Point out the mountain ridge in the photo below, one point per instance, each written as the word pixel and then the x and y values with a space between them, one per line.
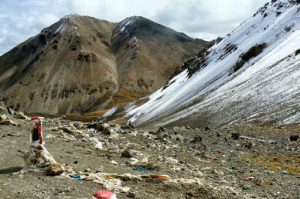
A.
pixel 77 65
pixel 215 87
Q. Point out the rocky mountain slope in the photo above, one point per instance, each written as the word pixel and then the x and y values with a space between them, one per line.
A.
pixel 251 75
pixel 81 64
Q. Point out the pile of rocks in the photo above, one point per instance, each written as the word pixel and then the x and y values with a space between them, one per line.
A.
pixel 9 117
pixel 236 161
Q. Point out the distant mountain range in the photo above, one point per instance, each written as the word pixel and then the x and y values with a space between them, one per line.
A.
pixel 82 64
pixel 250 76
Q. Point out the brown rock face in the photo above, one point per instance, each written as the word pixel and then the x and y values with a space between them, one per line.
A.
pixel 81 63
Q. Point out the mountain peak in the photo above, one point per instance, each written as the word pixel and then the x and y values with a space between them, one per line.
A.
pixel 80 64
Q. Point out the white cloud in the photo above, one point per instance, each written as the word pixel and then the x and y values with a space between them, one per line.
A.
pixel 205 19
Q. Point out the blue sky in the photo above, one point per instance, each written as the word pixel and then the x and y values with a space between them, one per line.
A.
pixel 206 19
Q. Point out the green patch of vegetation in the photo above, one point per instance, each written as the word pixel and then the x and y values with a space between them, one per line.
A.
pixel 278 163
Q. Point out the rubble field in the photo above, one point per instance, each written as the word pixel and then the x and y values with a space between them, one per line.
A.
pixel 235 161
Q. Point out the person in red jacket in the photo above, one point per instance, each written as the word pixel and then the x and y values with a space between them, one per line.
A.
pixel 37 139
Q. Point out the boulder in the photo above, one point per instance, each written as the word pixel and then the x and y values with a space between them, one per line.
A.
pixel 2 109
pixel 235 136
pixel 78 124
pixel 163 135
pixel 106 131
pixel 294 137
pixel 7 122
pixel 69 130
pixel 131 195
pixel 161 129
pixel 188 127
pixel 3 117
pixel 96 125
pixel 99 126
pixel 97 144
pixel 197 139
pixel 54 169
pixel 21 115
pixel 126 154
pixel 125 129
pixel 10 111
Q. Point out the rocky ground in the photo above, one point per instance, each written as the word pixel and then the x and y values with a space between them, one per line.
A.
pixel 237 161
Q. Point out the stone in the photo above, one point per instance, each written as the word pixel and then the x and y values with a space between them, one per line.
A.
pixel 3 117
pixel 54 169
pixel 188 127
pixel 248 145
pixel 246 186
pixel 10 111
pixel 7 122
pixel 258 182
pixel 87 170
pixel 163 135
pixel 68 130
pixel 99 126
pixel 126 154
pixel 131 195
pixel 97 144
pixel 161 129
pixel 99 170
pixel 21 115
pixel 235 136
pixel 77 124
pixel 125 129
pixel 132 161
pixel 197 139
pixel 105 125
pixel 96 125
pixel 106 131
pixel 2 109
pixel 91 125
pixel 294 137
pixel 131 125
pixel 114 162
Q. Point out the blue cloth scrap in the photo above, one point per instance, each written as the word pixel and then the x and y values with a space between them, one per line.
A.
pixel 75 176
pixel 141 169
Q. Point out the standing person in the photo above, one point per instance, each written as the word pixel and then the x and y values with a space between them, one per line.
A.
pixel 37 137
pixel 38 158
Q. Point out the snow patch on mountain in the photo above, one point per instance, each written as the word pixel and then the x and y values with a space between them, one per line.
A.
pixel 124 25
pixel 110 112
pixel 61 28
pixel 219 84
